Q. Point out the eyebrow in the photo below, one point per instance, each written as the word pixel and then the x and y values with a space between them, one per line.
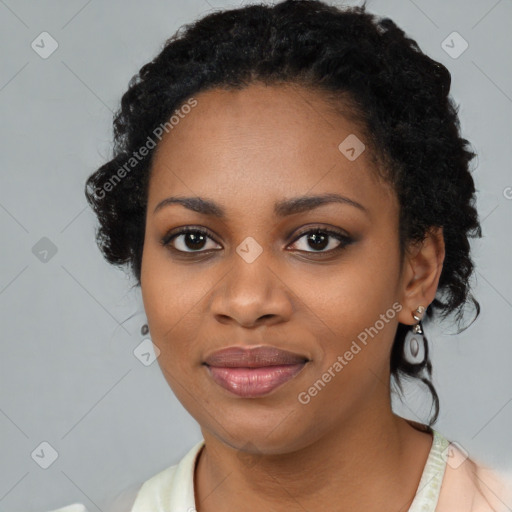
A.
pixel 282 208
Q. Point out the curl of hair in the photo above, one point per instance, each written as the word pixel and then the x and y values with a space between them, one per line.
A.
pixel 397 94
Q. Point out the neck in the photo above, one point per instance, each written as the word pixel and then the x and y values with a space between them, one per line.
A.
pixel 371 459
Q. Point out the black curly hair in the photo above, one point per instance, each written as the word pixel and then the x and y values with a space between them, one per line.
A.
pixel 397 94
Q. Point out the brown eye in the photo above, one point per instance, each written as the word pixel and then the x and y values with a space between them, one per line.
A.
pixel 317 240
pixel 189 240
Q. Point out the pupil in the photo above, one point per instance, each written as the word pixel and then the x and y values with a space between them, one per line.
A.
pixel 196 240
pixel 316 238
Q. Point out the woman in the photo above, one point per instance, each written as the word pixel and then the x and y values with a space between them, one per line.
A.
pixel 292 194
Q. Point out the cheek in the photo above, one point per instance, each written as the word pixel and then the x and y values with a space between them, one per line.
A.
pixel 162 298
pixel 172 304
pixel 354 303
pixel 172 297
pixel 354 342
pixel 353 294
pixel 167 292
pixel 173 322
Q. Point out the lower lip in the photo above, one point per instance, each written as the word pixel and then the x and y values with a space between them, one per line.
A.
pixel 253 382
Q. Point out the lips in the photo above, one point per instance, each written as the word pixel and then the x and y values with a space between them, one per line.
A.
pixel 253 372
pixel 233 357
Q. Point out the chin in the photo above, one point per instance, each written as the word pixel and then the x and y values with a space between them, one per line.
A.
pixel 272 434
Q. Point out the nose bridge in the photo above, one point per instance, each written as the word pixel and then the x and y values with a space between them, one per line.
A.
pixel 250 281
pixel 251 288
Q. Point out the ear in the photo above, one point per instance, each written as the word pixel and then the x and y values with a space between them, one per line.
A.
pixel 423 263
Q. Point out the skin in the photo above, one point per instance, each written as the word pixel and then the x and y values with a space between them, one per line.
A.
pixel 345 449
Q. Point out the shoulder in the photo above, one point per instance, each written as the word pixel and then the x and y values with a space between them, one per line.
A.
pixel 470 486
pixel 122 502
pixel 161 479
pixel 75 507
pixel 174 485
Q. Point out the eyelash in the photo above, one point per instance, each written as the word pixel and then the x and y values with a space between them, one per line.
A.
pixel 169 237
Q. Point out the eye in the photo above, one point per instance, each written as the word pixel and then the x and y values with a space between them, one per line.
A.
pixel 321 238
pixel 195 240
pixel 188 240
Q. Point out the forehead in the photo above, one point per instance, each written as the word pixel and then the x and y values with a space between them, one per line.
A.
pixel 261 143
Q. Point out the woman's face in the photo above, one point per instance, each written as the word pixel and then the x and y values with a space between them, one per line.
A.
pixel 259 279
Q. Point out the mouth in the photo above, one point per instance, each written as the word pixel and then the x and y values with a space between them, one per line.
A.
pixel 253 382
pixel 252 373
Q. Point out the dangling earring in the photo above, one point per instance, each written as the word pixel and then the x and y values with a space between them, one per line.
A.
pixel 414 348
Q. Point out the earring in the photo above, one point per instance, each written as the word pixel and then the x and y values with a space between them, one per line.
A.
pixel 413 352
pixel 417 315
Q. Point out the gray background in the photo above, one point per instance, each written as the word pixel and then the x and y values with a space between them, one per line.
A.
pixel 68 372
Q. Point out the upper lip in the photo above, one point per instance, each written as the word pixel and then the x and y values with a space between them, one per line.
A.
pixel 233 357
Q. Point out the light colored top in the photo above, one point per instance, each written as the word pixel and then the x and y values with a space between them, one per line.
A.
pixel 450 482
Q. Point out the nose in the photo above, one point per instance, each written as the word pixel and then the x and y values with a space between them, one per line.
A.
pixel 252 294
